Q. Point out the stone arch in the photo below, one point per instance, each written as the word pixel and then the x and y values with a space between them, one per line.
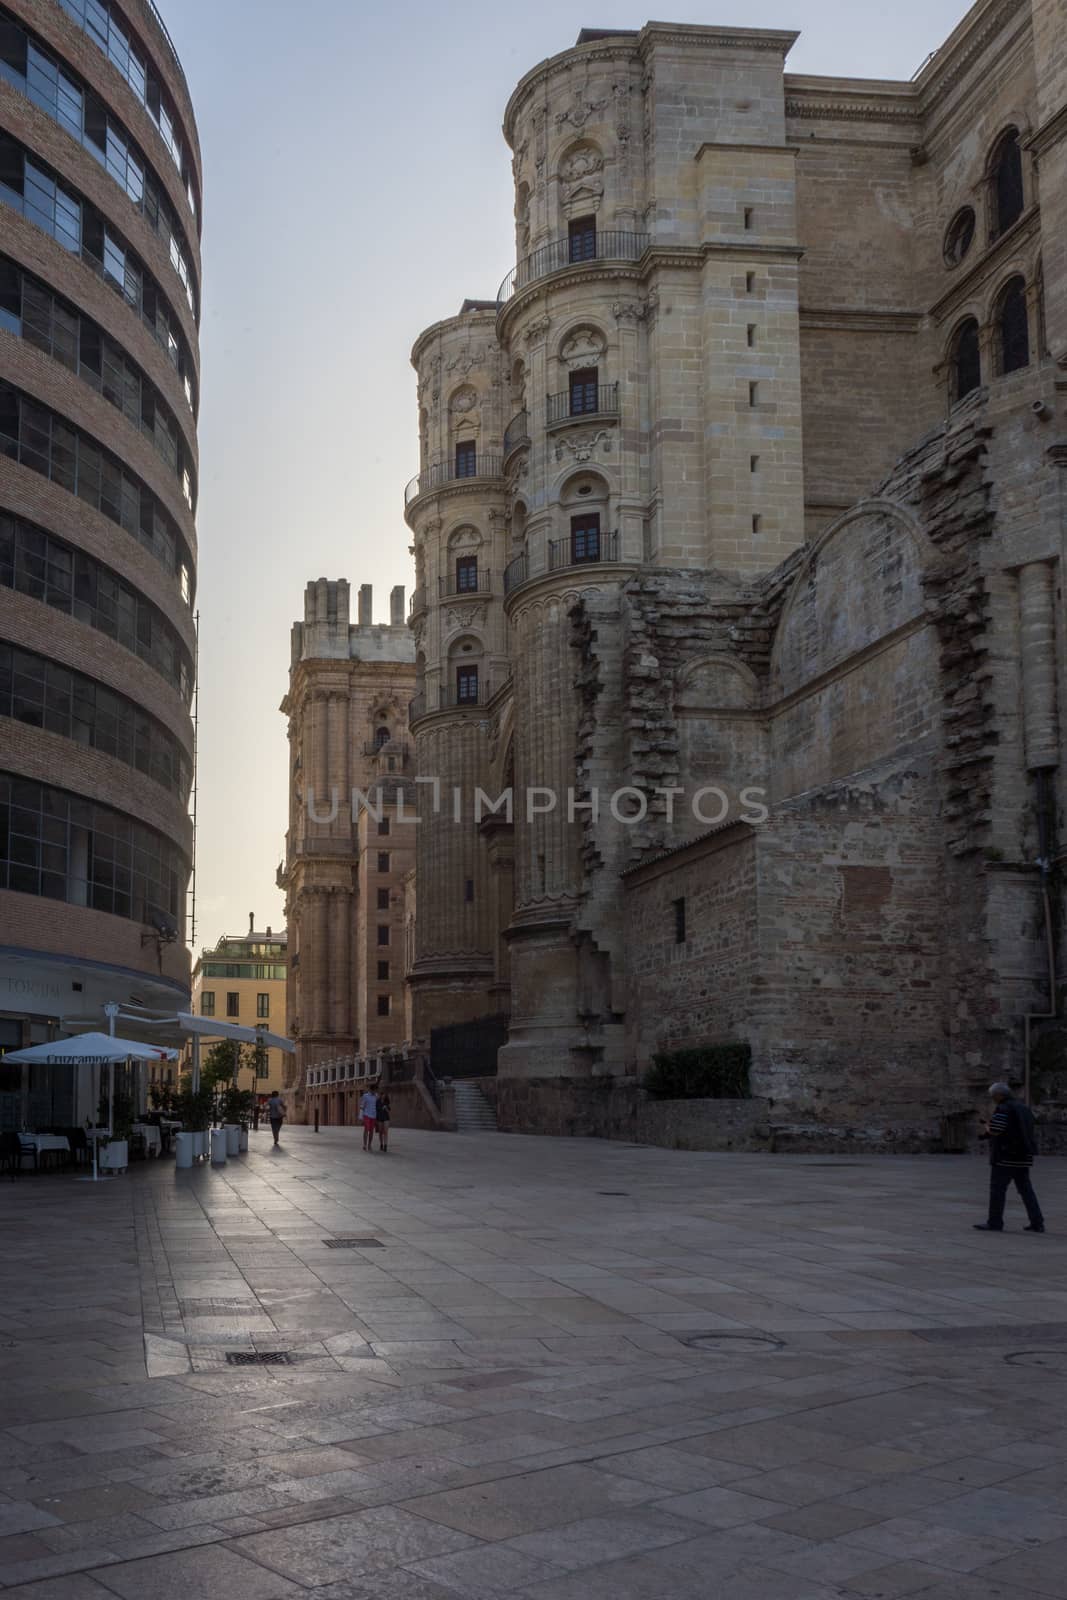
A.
pixel 1006 184
pixel 464 539
pixel 465 683
pixel 876 541
pixel 1011 335
pixel 716 682
pixel 963 358
pixel 582 344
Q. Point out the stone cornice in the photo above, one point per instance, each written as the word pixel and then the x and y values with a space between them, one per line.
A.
pixel 1049 134
pixel 598 575
pixel 853 106
pixel 750 149
pixel 467 320
pixel 488 487
pixel 850 320
pixel 628 48
pixel 958 54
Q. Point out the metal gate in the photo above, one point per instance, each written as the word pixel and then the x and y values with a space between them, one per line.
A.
pixel 467 1049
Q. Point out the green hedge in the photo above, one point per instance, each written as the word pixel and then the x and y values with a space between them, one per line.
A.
pixel 708 1072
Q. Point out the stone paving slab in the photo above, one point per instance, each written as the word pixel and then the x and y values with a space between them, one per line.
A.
pixel 779 1378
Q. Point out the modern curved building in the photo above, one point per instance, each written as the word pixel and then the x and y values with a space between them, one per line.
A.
pixel 100 209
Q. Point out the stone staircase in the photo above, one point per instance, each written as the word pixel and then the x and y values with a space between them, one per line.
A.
pixel 474 1113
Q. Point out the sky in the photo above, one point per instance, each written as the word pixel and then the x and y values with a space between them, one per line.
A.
pixel 357 188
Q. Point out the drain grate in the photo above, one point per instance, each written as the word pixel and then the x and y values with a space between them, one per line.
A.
pixel 731 1344
pixel 259 1358
pixel 353 1244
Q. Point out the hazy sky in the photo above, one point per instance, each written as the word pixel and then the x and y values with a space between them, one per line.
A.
pixel 356 188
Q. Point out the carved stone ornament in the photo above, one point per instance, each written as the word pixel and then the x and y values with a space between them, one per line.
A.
pixel 538 329
pixel 467 614
pixel 463 401
pixel 462 363
pixel 629 310
pixel 582 446
pixel 579 113
pixel 580 162
pixel 583 348
pixel 465 538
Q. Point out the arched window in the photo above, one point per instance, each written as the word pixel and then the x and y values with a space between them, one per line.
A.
pixel 381 736
pixel 1013 332
pixel 966 360
pixel 1006 174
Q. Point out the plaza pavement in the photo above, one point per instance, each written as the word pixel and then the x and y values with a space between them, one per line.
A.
pixel 568 1370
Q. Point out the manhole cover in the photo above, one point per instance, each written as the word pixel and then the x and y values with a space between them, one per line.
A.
pixel 353 1244
pixel 735 1344
pixel 259 1358
pixel 1047 1360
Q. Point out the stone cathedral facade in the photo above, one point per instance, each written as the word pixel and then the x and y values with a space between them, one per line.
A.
pixel 739 529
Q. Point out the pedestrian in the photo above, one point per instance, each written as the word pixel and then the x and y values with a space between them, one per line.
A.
pixel 1012 1147
pixel 276 1113
pixel 368 1110
pixel 384 1112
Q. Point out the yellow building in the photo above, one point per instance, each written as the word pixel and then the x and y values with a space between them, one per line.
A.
pixel 243 980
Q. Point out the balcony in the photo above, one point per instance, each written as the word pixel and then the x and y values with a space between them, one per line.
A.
pixel 417 604
pixel 582 550
pixel 517 432
pixel 442 698
pixel 465 586
pixel 574 405
pixel 516 572
pixel 611 245
pixel 395 749
pixel 446 472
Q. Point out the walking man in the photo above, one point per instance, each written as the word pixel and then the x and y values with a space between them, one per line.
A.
pixel 276 1113
pixel 368 1110
pixel 1012 1147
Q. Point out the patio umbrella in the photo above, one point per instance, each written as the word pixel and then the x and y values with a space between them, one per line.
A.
pixel 95 1050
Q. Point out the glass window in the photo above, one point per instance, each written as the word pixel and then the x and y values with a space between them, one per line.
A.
pixel 383 933
pixel 383 826
pixel 383 971
pixel 966 361
pixel 207 1003
pixel 584 391
pixel 383 899
pixel 233 1004
pixel 585 538
pixel 1013 332
pixel 467 684
pixel 466 459
pixel 262 1005
pixel 467 575
pixel 383 861
pixel 581 238
pixel 1007 183
pixel 383 1005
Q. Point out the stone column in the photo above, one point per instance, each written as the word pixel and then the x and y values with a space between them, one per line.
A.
pixel 1037 641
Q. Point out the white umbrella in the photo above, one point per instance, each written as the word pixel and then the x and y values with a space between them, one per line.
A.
pixel 95 1050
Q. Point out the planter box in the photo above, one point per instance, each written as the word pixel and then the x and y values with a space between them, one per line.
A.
pixel 115 1156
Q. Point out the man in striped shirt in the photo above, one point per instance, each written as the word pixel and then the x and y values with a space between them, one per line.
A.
pixel 1012 1146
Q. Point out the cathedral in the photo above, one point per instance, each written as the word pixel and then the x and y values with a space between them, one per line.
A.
pixel 738 628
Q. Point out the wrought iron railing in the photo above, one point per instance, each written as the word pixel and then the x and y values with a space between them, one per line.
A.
pixel 578 402
pixel 449 698
pixel 467 583
pixel 517 432
pixel 451 472
pixel 417 603
pixel 583 550
pixel 516 572
pixel 612 245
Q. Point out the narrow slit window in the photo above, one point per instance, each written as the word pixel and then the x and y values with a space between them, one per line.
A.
pixel 678 907
pixel 748 217
pixel 753 463
pixel 756 522
pixel 751 335
pixel 753 394
pixel 750 282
